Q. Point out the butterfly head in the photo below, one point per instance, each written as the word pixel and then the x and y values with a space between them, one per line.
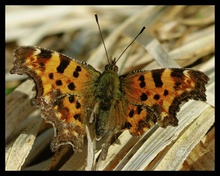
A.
pixel 112 66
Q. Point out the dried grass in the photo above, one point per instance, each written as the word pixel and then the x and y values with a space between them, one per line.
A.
pixel 176 36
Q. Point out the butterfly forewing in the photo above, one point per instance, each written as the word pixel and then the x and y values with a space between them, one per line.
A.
pixel 163 90
pixel 52 70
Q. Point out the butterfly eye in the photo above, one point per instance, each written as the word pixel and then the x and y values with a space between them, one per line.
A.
pixel 111 67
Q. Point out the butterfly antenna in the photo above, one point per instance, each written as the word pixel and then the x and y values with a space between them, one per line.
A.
pixel 131 43
pixel 97 21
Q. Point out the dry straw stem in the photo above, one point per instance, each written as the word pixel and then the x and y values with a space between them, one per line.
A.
pixel 17 151
pixel 176 36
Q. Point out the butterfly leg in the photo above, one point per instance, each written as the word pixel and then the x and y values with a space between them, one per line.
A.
pixel 107 143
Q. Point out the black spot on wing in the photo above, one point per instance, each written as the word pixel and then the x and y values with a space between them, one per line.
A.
pixel 77 117
pixel 141 78
pixel 156 97
pixel 78 105
pixel 165 93
pixel 142 84
pixel 46 54
pixel 71 86
pixel 71 98
pixel 139 109
pixel 142 81
pixel 131 113
pixel 178 73
pixel 144 97
pixel 64 62
pixel 76 72
pixel 51 75
pixel 78 68
pixel 59 83
pixel 156 74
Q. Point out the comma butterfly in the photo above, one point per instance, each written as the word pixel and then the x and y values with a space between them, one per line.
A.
pixel 69 92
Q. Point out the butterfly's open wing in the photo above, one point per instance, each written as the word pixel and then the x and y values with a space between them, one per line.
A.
pixel 62 85
pixel 154 96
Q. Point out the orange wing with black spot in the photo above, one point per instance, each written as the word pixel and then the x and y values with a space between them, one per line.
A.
pixel 154 96
pixel 62 85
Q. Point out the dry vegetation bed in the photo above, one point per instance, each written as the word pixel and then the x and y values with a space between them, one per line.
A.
pixel 176 36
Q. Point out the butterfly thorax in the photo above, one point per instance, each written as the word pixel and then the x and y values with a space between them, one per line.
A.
pixel 107 96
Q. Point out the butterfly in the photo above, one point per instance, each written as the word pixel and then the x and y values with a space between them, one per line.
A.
pixel 70 93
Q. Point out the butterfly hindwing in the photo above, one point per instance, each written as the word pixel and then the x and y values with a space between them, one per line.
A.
pixel 67 116
pixel 138 119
